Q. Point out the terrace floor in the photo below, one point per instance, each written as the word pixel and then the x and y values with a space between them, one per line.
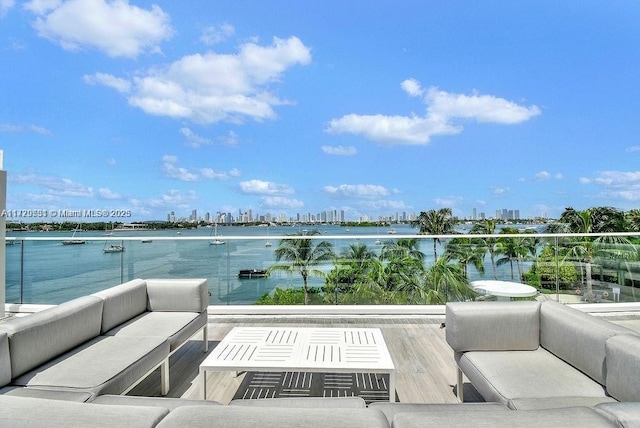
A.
pixel 426 371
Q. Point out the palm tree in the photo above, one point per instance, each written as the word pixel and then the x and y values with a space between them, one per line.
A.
pixel 302 255
pixel 632 218
pixel 444 282
pixel 585 248
pixel 467 252
pixel 487 227
pixel 514 249
pixel 351 267
pixel 432 222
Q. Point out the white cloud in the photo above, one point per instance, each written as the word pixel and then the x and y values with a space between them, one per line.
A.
pixel 212 35
pixel 412 87
pixel 5 5
pixel 280 202
pixel 260 187
pixel 392 129
pixel 105 193
pixel 339 150
pixel 543 175
pixel 619 185
pixel 444 110
pixel 633 149
pixel 498 191
pixel 213 175
pixel 113 27
pixel 121 85
pixel 211 87
pixel 55 186
pixel 449 201
pixel 356 191
pixel 171 170
pixel 230 139
pixel 194 140
pixel 9 127
pixel 383 205
pixel 174 199
pixel 482 108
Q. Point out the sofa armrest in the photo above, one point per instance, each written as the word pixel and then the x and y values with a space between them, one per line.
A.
pixel 5 360
pixel 623 367
pixel 493 326
pixel 178 295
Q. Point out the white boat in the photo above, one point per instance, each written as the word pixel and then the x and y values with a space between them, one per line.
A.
pixel 392 231
pixel 113 248
pixel 216 241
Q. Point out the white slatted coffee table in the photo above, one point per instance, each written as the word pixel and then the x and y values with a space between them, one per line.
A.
pixel 272 349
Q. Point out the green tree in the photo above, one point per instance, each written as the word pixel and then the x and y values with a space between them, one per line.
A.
pixel 444 282
pixel 352 266
pixel 303 255
pixel 515 250
pixel 435 222
pixel 584 249
pixel 487 243
pixel 467 252
pixel 632 220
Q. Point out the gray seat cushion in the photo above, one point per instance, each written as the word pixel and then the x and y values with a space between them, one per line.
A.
pixel 506 375
pixel 104 365
pixel 50 394
pixel 272 417
pixel 623 367
pixel 5 359
pixel 305 402
pixel 392 409
pixel 557 402
pixel 33 413
pixel 39 337
pixel 176 326
pixel 577 338
pixel 556 418
pixel 123 302
pixel 625 414
pixel 163 402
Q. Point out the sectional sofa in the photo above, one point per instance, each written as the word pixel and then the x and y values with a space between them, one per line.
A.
pixel 104 343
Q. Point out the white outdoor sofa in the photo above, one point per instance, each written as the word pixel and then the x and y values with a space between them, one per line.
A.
pixel 104 343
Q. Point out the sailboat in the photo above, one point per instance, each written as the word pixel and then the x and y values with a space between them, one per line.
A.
pixel 113 248
pixel 216 241
pixel 268 243
pixel 74 241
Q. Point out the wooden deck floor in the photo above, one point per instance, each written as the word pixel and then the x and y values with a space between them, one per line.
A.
pixel 426 371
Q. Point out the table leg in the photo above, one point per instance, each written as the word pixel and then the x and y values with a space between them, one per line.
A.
pixel 203 382
pixel 392 386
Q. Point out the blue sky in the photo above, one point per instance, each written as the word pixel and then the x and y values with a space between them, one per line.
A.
pixel 300 107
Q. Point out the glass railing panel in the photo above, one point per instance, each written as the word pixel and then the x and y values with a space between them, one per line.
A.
pixel 366 268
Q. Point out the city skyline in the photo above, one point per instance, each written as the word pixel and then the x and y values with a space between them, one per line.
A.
pixel 370 109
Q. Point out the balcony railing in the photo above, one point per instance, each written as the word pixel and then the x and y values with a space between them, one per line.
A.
pixel 366 269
